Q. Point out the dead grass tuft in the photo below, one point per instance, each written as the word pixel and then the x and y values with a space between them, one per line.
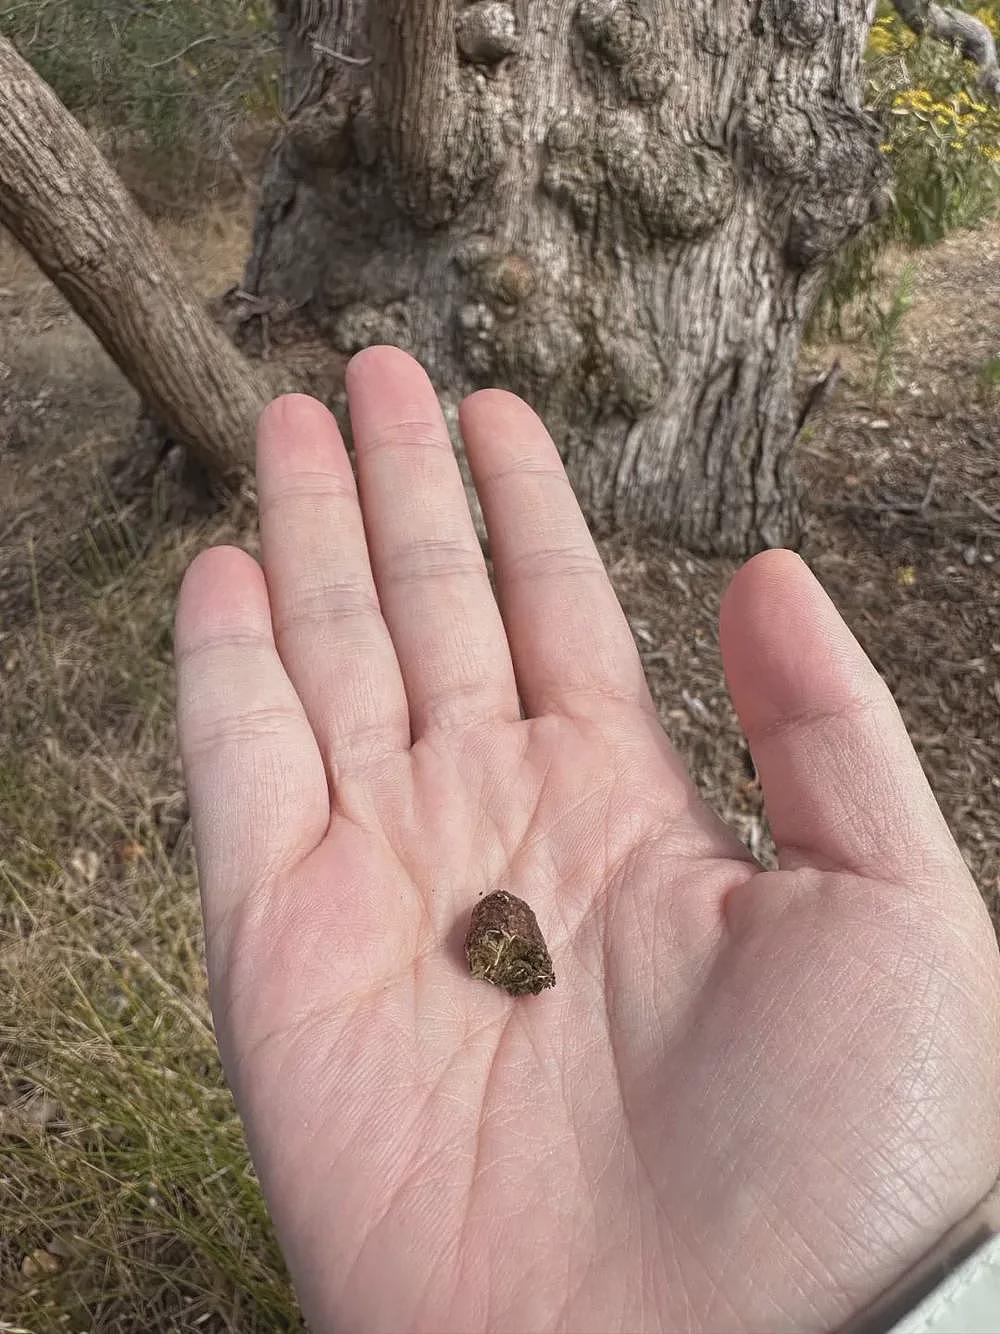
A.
pixel 129 1199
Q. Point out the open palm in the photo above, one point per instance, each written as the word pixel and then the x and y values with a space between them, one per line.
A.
pixel 753 1097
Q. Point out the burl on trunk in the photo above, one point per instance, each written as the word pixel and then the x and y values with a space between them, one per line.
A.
pixel 620 209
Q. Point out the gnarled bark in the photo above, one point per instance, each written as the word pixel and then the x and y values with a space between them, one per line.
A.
pixel 71 212
pixel 618 208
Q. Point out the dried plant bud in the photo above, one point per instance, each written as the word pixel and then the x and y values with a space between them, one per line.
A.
pixel 504 946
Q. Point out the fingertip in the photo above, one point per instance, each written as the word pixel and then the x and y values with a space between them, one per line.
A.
pixel 222 556
pixel 774 561
pixel 497 425
pixel 295 425
pixel 764 580
pixel 391 398
pixel 289 411
pixel 381 359
pixel 218 567
pixel 784 644
pixel 493 402
pixel 290 416
pixel 776 610
pixel 222 587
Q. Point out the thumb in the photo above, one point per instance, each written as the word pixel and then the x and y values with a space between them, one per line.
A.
pixel 842 783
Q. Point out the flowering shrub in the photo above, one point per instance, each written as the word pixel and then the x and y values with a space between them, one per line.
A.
pixel 942 135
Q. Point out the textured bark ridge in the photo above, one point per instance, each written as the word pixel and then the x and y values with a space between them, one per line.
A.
pixel 71 212
pixel 617 208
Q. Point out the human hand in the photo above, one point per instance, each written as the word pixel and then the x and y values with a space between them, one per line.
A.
pixel 753 1098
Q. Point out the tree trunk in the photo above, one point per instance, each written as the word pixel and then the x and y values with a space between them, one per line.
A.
pixel 620 209
pixel 72 214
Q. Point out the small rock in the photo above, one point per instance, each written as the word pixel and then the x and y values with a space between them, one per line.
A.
pixel 85 863
pixel 696 708
pixel 127 850
pixel 40 1262
pixel 40 1112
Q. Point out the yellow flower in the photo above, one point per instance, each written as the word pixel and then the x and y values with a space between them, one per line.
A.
pixel 918 97
pixel 880 42
pixel 887 35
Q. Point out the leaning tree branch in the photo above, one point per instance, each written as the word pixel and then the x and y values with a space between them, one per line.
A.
pixel 973 38
pixel 66 206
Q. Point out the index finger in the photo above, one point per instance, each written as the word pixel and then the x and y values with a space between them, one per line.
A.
pixel 254 774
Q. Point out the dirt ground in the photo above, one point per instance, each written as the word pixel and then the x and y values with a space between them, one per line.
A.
pixel 96 872
pixel 903 500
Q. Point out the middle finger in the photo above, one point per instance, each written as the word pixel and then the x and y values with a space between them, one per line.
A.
pixel 429 569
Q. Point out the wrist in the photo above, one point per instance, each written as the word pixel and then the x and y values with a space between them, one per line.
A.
pixel 949 1286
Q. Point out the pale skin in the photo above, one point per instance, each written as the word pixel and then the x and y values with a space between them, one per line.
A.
pixel 753 1099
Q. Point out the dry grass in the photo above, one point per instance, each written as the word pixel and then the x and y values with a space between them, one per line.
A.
pixel 127 1201
pixel 212 248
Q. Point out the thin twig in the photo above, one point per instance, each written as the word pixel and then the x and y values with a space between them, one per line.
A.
pixel 931 483
pixel 958 518
pixel 988 510
pixel 249 297
pixel 339 55
pixel 169 60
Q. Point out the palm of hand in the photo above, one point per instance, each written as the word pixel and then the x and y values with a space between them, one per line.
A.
pixel 746 1105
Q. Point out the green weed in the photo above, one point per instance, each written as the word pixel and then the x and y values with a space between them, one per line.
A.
pixel 170 84
pixel 989 374
pixel 885 322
